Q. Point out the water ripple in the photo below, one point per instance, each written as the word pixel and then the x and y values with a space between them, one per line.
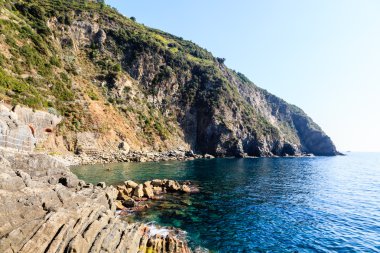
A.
pixel 320 204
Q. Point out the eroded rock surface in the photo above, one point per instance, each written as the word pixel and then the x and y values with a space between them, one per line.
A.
pixel 45 208
pixel 131 196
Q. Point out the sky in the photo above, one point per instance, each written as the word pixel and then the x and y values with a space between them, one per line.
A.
pixel 323 56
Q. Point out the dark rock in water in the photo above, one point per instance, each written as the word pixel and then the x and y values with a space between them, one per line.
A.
pixel 186 202
pixel 122 195
pixel 129 203
pixel 190 153
pixel 172 185
pixel 185 188
pixel 101 185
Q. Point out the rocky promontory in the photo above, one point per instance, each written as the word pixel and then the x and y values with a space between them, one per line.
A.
pixel 45 208
pixel 110 84
pixel 131 194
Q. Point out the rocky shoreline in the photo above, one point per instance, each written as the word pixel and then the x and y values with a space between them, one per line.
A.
pixel 45 208
pixel 102 157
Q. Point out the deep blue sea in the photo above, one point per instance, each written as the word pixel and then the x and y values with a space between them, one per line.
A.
pixel 311 204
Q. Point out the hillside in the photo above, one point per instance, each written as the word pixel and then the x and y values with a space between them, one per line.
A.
pixel 114 80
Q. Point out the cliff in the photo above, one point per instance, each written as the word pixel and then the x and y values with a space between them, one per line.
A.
pixel 115 81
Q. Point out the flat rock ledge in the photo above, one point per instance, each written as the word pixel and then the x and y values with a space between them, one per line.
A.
pixel 45 208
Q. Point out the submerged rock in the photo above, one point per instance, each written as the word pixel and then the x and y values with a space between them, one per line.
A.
pixel 185 188
pixel 129 202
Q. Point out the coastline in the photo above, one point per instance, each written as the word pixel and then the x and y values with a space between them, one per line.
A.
pixel 116 156
pixel 45 208
pixel 105 157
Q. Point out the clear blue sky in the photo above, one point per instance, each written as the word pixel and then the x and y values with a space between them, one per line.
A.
pixel 323 56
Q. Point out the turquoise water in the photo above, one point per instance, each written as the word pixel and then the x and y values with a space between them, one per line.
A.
pixel 313 204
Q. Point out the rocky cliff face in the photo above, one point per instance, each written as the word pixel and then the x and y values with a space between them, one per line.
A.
pixel 120 81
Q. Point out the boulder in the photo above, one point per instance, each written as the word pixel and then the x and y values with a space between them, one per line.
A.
pixel 121 188
pixel 102 185
pixel 157 190
pixel 139 191
pixel 128 191
pixel 157 182
pixel 119 205
pixel 185 188
pixel 81 183
pixel 148 192
pixel 122 196
pixel 142 159
pixel 172 185
pixel 100 38
pixel 148 184
pixel 129 203
pixel 124 146
pixel 11 183
pixel 111 192
pixel 131 184
pixel 208 156
pixel 189 153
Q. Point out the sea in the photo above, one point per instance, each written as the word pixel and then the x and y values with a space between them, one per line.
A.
pixel 288 204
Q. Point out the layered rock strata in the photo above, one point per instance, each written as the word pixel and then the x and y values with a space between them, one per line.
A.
pixel 45 208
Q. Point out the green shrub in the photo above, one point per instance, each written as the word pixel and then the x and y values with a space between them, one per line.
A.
pixel 55 61
pixel 12 83
pixel 92 95
pixel 34 102
pixel 2 60
pixel 65 78
pixel 61 92
pixel 116 68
